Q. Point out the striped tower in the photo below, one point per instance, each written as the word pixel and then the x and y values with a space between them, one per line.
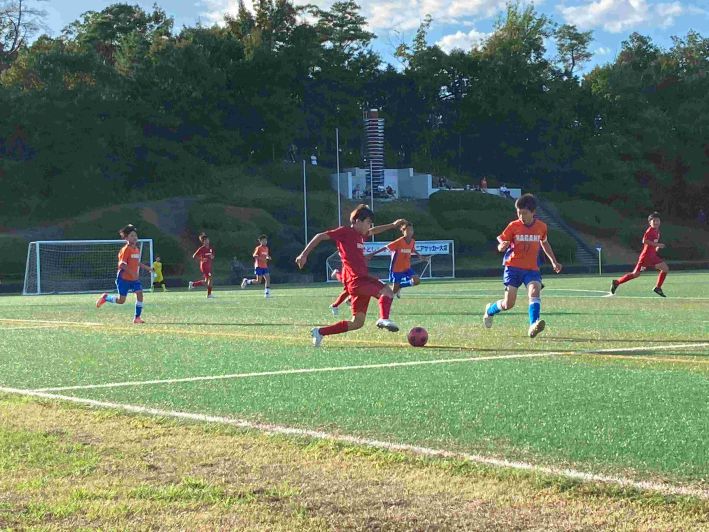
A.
pixel 374 135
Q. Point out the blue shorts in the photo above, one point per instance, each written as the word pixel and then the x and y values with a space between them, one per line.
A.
pixel 124 286
pixel 399 277
pixel 260 271
pixel 516 276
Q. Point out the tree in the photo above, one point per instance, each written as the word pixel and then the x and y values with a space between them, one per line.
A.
pixel 572 47
pixel 19 22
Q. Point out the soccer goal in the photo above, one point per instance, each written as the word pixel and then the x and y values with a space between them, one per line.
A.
pixel 73 266
pixel 440 262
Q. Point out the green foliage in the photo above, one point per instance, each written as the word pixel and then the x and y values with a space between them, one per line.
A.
pixel 681 242
pixel 563 245
pixel 590 216
pixel 13 254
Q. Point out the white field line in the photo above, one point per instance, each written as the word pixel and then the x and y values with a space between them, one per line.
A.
pixel 667 489
pixel 366 366
pixel 298 371
pixel 28 327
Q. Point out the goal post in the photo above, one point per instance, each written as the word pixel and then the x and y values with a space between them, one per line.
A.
pixel 76 266
pixel 440 263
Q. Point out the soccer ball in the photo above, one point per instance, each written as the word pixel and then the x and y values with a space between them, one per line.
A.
pixel 418 336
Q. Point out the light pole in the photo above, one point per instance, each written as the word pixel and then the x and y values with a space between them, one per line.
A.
pixel 600 267
pixel 305 203
pixel 337 148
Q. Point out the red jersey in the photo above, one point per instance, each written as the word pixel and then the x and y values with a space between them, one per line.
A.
pixel 261 257
pixel 649 251
pixel 130 256
pixel 350 244
pixel 525 242
pixel 402 251
pixel 205 255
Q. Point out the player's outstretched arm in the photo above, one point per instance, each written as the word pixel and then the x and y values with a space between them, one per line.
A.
pixel 546 246
pixel 386 227
pixel 302 259
pixel 146 267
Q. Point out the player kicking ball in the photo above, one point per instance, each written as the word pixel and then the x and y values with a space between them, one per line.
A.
pixel 355 273
pixel 520 242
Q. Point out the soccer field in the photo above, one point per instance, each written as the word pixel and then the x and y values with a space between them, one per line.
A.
pixel 615 389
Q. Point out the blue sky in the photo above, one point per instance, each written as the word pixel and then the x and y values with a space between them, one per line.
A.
pixel 456 23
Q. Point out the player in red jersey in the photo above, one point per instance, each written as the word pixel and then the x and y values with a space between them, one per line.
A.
pixel 359 284
pixel 205 255
pixel 648 257
pixel 521 241
pixel 261 257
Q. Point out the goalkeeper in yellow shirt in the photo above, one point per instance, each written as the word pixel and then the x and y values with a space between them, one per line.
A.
pixel 158 279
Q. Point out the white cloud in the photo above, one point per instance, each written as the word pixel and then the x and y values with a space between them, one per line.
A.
pixel 462 41
pixel 400 15
pixel 602 50
pixel 616 16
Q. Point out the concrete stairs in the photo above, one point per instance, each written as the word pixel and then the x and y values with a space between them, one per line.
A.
pixel 586 256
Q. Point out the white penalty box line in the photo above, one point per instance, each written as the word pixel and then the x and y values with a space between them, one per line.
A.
pixel 388 365
pixel 661 487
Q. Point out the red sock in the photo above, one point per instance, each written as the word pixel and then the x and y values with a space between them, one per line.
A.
pixel 198 283
pixel 340 299
pixel 627 277
pixel 337 328
pixel 661 279
pixel 384 307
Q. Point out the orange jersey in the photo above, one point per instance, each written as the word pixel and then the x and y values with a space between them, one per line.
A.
pixel 260 257
pixel 525 243
pixel 401 254
pixel 130 256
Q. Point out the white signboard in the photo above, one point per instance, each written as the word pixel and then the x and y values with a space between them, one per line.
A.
pixel 424 247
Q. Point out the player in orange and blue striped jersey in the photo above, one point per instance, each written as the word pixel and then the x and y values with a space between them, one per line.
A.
pixel 521 241
pixel 128 275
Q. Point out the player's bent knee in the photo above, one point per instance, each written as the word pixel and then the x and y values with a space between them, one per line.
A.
pixel 416 281
pixel 356 323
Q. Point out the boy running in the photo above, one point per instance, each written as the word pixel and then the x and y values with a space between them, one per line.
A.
pixel 158 280
pixel 261 257
pixel 521 241
pixel 648 257
pixel 355 273
pixel 128 275
pixel 205 255
pixel 401 274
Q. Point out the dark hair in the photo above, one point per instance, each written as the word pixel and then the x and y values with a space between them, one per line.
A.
pixel 653 216
pixel 203 237
pixel 128 229
pixel 526 201
pixel 263 237
pixel 361 212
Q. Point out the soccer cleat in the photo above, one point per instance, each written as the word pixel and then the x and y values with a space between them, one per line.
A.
pixel 138 320
pixel 398 295
pixel 334 274
pixel 387 324
pixel 317 337
pixel 267 295
pixel 487 319
pixel 659 291
pixel 101 300
pixel 335 311
pixel 536 328
pixel 614 286
pixel 190 285
pixel 244 282
pixel 211 296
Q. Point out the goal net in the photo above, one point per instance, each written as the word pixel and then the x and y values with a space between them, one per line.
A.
pixel 72 266
pixel 438 261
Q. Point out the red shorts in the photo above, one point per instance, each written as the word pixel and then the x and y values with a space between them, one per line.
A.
pixel 361 289
pixel 206 269
pixel 649 261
